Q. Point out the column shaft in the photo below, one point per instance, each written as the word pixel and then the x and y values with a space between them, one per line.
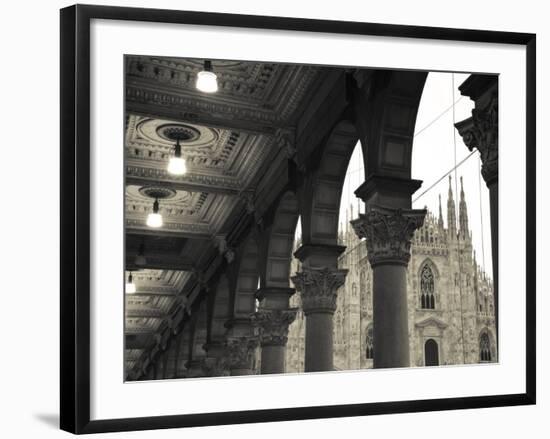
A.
pixel 391 332
pixel 319 332
pixel 273 359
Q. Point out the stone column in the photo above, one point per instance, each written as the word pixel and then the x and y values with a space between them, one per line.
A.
pixel 215 363
pixel 481 132
pixel 388 233
pixel 318 284
pixel 273 330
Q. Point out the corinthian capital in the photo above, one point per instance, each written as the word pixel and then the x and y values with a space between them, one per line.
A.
pixel 388 233
pixel 273 325
pixel 319 288
pixel 481 132
pixel 240 352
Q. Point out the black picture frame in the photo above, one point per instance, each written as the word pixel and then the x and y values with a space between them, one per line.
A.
pixel 75 217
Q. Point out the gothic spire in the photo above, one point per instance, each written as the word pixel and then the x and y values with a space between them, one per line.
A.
pixel 440 219
pixel 463 213
pixel 451 212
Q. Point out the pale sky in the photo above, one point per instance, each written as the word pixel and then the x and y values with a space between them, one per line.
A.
pixel 434 158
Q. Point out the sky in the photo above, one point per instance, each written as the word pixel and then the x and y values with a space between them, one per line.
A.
pixel 434 158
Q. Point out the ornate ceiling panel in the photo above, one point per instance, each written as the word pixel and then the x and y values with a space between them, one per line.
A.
pixel 267 94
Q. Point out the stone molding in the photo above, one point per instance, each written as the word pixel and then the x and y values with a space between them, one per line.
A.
pixel 273 325
pixel 319 288
pixel 388 233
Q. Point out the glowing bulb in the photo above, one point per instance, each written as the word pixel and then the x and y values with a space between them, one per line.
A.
pixel 177 166
pixel 154 219
pixel 207 79
pixel 130 285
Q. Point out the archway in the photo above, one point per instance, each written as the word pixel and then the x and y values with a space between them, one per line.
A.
pixel 431 353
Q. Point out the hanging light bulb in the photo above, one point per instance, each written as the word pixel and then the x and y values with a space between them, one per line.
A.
pixel 207 79
pixel 140 259
pixel 177 165
pixel 130 285
pixel 154 219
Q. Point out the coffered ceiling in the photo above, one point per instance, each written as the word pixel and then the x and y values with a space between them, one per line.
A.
pixel 228 138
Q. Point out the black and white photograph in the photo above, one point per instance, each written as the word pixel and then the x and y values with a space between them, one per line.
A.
pixel 291 218
pixel 275 219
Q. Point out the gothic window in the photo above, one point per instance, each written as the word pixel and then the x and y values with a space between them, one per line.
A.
pixel 427 293
pixel 354 290
pixel 370 343
pixel 484 348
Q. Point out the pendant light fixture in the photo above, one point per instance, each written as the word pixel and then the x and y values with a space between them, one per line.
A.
pixel 130 285
pixel 207 81
pixel 154 219
pixel 177 165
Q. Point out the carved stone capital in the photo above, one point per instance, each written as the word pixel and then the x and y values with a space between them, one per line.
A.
pixel 319 288
pixel 388 233
pixel 273 325
pixel 481 132
pixel 240 352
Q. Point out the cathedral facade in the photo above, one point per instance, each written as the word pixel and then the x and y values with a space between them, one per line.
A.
pixel 450 299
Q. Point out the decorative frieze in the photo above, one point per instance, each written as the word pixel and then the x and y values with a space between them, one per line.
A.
pixel 273 325
pixel 319 288
pixel 388 233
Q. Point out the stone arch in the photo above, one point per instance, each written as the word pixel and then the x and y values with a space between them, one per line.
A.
pixel 243 297
pixel 385 110
pixel 431 352
pixel 321 192
pixel 275 270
